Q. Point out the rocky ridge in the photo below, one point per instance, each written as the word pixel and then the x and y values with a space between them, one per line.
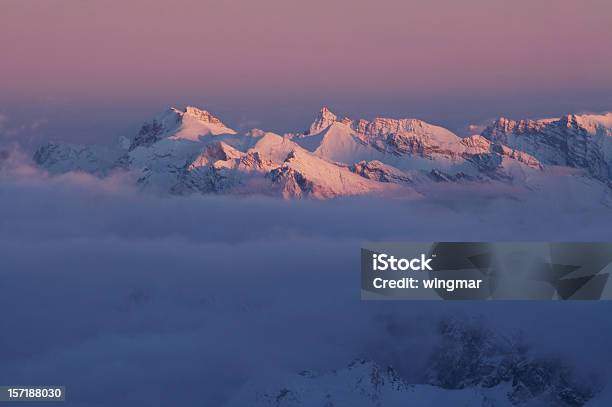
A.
pixel 189 150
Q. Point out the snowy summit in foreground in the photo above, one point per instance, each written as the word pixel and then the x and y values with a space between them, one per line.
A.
pixel 189 150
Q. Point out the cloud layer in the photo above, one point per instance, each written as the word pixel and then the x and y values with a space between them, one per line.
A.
pixel 133 299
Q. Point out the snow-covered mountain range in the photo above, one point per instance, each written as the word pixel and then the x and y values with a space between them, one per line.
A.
pixel 189 150
pixel 471 365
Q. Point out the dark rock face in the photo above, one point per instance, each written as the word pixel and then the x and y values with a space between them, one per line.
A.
pixel 204 180
pixel 440 176
pixel 403 144
pixel 377 171
pixel 149 134
pixel 470 354
pixel 293 184
pixel 570 141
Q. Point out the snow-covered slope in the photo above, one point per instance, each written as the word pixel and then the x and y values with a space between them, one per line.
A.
pixel 361 384
pixel 188 124
pixel 410 145
pixel 189 150
pixel 470 365
pixel 304 175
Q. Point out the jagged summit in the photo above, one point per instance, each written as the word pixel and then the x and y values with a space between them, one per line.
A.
pixel 190 150
pixel 198 114
pixel 589 122
pixel 581 141
pixel 324 119
pixel 190 123
pixel 380 127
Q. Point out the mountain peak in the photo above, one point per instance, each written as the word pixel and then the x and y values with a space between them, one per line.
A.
pixel 179 150
pixel 589 122
pixel 189 123
pixel 198 114
pixel 325 110
pixel 324 119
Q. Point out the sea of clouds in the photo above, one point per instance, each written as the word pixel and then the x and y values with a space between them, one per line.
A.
pixel 129 298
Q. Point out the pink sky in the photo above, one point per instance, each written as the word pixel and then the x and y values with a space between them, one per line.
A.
pixel 429 57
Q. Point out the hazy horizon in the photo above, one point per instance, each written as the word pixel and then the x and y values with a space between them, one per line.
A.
pixel 89 71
